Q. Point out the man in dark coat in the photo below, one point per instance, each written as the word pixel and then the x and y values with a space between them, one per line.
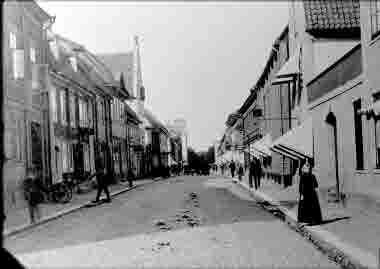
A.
pixel 252 168
pixel 258 173
pixel 232 168
pixel 102 184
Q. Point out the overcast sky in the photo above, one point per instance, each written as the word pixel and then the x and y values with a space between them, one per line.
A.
pixel 199 60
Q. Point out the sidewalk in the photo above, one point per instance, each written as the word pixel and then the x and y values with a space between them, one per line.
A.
pixel 350 234
pixel 18 220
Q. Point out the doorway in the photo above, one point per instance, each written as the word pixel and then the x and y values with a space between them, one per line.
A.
pixel 332 141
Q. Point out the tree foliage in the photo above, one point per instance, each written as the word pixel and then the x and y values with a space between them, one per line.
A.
pixel 201 158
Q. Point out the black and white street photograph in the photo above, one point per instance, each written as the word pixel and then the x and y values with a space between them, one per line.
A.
pixel 190 134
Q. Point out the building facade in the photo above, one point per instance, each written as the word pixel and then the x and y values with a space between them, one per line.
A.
pixel 25 47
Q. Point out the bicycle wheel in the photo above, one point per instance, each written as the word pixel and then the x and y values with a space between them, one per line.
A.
pixel 62 194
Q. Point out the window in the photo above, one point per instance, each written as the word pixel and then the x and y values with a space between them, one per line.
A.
pixel 17 57
pixel 86 149
pixel 358 135
pixel 89 114
pixel 12 137
pixel 12 40
pixel 121 110
pixel 83 118
pixel 375 17
pixel 65 166
pixel 101 111
pixel 53 100
pixel 63 107
pixel 70 155
pixel 33 55
pixel 72 111
pixel 73 62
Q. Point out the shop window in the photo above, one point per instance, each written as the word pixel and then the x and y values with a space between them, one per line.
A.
pixel 375 17
pixel 358 135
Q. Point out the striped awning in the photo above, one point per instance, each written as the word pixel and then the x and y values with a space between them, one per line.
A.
pixel 262 146
pixel 297 143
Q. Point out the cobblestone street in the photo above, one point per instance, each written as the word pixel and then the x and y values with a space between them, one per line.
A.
pixel 182 221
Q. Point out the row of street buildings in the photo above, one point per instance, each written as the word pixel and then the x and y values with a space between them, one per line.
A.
pixel 318 97
pixel 68 110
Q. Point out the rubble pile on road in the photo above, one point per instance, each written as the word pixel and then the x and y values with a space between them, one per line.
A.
pixel 188 218
pixel 163 225
pixel 194 199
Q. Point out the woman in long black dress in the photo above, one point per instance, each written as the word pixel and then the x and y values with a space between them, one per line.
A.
pixel 309 209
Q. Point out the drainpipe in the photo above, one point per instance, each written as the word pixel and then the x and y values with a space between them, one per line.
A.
pixel 2 214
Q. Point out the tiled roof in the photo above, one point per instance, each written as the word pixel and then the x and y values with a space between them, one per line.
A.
pixel 332 17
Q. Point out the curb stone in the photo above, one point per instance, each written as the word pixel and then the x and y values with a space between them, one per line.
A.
pixel 333 252
pixel 19 229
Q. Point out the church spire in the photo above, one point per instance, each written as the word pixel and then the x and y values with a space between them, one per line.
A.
pixel 138 84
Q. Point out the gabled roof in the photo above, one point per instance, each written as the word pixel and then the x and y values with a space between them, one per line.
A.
pixel 131 114
pixel 232 118
pixel 93 68
pixel 334 18
pixel 120 63
pixel 264 75
pixel 36 10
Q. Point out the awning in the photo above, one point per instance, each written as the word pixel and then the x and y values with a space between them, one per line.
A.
pixel 374 107
pixel 282 80
pixel 263 145
pixel 284 153
pixel 253 153
pixel 298 142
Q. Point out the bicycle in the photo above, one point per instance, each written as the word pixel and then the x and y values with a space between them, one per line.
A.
pixel 59 192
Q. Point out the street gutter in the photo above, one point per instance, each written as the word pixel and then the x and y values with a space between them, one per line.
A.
pixel 19 229
pixel 340 252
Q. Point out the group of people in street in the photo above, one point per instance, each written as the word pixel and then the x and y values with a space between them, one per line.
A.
pixel 34 189
pixel 255 171
pixel 309 209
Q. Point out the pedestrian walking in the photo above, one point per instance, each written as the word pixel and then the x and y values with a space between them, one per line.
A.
pixel 240 171
pixel 232 168
pixel 251 172
pixel 102 182
pixel 309 209
pixel 130 178
pixel 33 195
pixel 258 173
